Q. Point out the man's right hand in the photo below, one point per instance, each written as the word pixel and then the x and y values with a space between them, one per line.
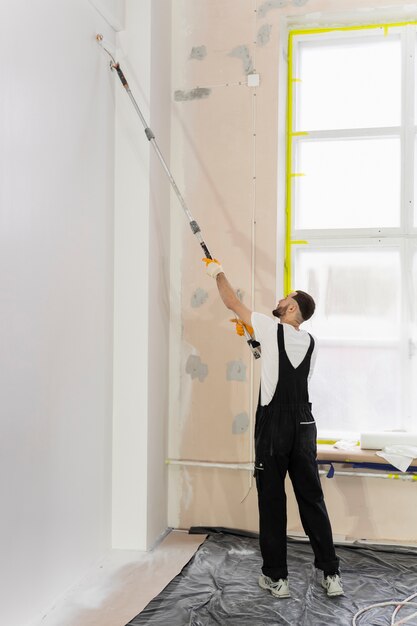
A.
pixel 239 327
pixel 213 267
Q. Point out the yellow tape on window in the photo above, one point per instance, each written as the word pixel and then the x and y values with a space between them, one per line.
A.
pixel 290 133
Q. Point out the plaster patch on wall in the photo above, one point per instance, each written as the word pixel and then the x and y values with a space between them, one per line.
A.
pixel 264 35
pixel 271 4
pixel 198 52
pixel 193 94
pixel 240 424
pixel 299 3
pixel 242 53
pixel 236 370
pixel 198 298
pixel 196 368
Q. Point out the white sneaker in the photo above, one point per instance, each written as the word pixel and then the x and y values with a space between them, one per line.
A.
pixel 278 588
pixel 333 585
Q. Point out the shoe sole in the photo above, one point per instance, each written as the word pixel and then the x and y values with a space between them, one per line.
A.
pixel 333 594
pixel 263 586
pixel 286 595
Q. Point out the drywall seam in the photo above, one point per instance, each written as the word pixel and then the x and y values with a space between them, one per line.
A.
pixel 256 30
pixel 253 264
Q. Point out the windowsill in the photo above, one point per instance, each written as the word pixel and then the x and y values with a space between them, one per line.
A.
pixel 326 452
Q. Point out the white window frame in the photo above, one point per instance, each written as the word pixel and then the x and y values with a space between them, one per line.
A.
pixel 401 236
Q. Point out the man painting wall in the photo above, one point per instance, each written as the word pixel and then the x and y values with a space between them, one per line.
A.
pixel 285 436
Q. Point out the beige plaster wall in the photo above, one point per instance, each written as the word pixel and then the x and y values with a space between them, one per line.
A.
pixel 224 155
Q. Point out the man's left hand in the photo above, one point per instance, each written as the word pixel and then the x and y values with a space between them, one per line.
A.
pixel 239 327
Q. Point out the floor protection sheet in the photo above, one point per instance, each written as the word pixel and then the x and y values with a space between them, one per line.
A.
pixel 219 586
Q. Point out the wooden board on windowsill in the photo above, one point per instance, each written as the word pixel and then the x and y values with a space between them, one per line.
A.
pixel 326 452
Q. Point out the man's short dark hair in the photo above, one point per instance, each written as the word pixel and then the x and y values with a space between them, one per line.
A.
pixel 305 303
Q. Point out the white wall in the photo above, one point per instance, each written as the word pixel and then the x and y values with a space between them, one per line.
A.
pixel 113 12
pixel 159 270
pixel 130 398
pixel 141 281
pixel 226 148
pixel 56 293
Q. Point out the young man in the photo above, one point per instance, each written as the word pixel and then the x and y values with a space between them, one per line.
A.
pixel 285 436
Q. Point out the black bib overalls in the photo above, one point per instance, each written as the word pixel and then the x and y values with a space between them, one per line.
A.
pixel 285 440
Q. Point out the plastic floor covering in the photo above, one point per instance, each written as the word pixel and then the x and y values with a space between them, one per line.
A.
pixel 219 586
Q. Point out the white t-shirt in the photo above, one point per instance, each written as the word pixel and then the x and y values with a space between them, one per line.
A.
pixel 296 342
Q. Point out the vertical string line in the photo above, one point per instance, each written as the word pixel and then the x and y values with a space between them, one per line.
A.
pixel 253 247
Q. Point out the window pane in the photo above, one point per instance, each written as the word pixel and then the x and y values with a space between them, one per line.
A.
pixel 358 295
pixel 349 83
pixel 357 389
pixel 349 183
pixel 357 291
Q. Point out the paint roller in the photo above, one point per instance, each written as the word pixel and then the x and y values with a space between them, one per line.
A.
pixel 195 228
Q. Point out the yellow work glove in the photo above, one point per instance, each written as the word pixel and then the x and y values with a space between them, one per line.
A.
pixel 240 325
pixel 213 267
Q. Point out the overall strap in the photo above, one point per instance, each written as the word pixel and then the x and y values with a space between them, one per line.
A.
pixel 281 346
pixel 280 337
pixel 311 346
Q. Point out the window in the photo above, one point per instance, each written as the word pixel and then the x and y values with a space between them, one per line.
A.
pixel 351 219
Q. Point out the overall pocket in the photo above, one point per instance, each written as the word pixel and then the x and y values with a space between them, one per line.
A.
pixel 306 416
pixel 307 436
pixel 257 473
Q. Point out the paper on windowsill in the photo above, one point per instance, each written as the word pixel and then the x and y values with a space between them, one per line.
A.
pixel 346 444
pixel 399 456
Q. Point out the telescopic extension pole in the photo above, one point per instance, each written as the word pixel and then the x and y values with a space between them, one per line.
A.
pixel 114 65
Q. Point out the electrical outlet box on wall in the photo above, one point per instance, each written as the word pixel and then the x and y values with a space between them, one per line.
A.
pixel 113 11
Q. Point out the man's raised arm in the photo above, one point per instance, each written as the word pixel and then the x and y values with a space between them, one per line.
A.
pixel 226 291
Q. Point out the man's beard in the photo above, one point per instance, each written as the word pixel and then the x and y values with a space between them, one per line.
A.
pixel 280 311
